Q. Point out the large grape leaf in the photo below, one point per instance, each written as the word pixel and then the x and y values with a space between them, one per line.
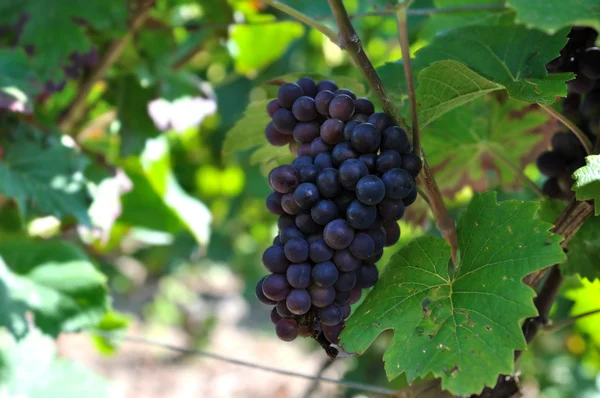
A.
pixel 551 15
pixel 31 369
pixel 54 29
pixel 587 181
pixel 511 56
pixel 481 136
pixel 54 280
pixel 462 325
pixel 42 175
pixel 586 298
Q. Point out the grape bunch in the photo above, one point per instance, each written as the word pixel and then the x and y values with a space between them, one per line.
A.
pixel 581 106
pixel 338 203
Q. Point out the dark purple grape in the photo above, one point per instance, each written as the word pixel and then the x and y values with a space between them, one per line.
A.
pixel 341 107
pixel 347 310
pixel 391 209
pixel 351 171
pixel 327 85
pixel 260 295
pixel 381 121
pixel 275 137
pixel 345 282
pixel 388 159
pixel 284 121
pixel 370 160
pixel 289 205
pixel 303 150
pixel 302 161
pixel 282 310
pixel 362 246
pixel 342 297
pixel 324 274
pixel 360 215
pixel 296 250
pixel 283 179
pixel 349 128
pixel 568 145
pixel 331 315
pixel 304 109
pixel 319 146
pixel 277 241
pixel 395 138
pixel 323 160
pixel 332 333
pixel 328 184
pixel 322 101
pixel 398 183
pixel 551 163
pixel 272 107
pixel 343 200
pixel 410 199
pixel 364 106
pixel 306 195
pixel 355 295
pixel 319 252
pixel 298 301
pixel 378 236
pixel 332 131
pixel 274 203
pixel 308 173
pixel 321 296
pixel 275 317
pixel 287 329
pixel 338 234
pixel 324 212
pixel 366 276
pixel 308 86
pixel 392 232
pixel 342 152
pixel 412 163
pixel 306 224
pixel 589 63
pixel 371 189
pixel 305 133
pixel 276 287
pixel 373 258
pixel 274 260
pixel 345 91
pixel 287 233
pixel 345 261
pixel 288 94
pixel 366 138
pixel 552 189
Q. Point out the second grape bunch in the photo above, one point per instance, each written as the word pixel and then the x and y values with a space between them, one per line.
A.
pixel 338 204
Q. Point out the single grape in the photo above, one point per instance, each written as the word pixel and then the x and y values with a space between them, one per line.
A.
pixel 298 301
pixel 304 109
pixel 306 195
pixel 309 173
pixel 343 200
pixel 364 106
pixel 332 333
pixel 366 138
pixel 277 241
pixel 349 128
pixel 341 107
pixel 296 250
pixel 282 310
pixel 551 188
pixel 374 257
pixel 371 189
pixel 345 261
pixel 345 91
pixel 342 152
pixel 319 146
pixel 303 150
pixel 568 145
pixel 274 260
pixel 332 314
pixel 272 107
pixel 362 246
pixel 324 212
pixel 360 215
pixel 338 234
pixel 388 159
pixel 288 94
pixel 275 137
pixel 551 163
pixel 324 160
pixel 305 133
pixel 395 138
pixel 378 236
pixel 287 329
pixel 283 179
pixel 410 199
pixel 323 100
pixel 306 224
pixel 308 86
pixel 321 296
pixel 412 163
pixel 260 295
pixel 366 276
pixel 381 121
pixel 302 161
pixel 355 295
pixel 370 160
pixel 319 252
pixel 391 209
pixel 287 233
pixel 275 317
pixel 351 171
pixel 276 287
pixel 392 232
pixel 345 281
pixel 328 184
pixel 289 205
pixel 398 183
pixel 332 131
pixel 327 85
pixel 284 121
pixel 274 203
pixel 324 274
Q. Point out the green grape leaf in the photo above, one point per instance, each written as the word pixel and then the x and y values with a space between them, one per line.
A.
pixel 551 15
pixel 257 46
pixel 17 81
pixel 484 136
pixel 550 209
pixel 56 281
pixel 12 316
pixel 492 52
pixel 42 174
pixel 587 181
pixel 31 368
pixel 584 251
pixel 586 298
pixel 249 131
pixel 462 326
pixel 61 18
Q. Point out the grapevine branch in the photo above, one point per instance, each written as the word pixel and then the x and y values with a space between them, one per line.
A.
pixel 559 325
pixel 587 144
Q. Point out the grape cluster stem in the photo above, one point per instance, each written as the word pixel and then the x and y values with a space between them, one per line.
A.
pixel 571 126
